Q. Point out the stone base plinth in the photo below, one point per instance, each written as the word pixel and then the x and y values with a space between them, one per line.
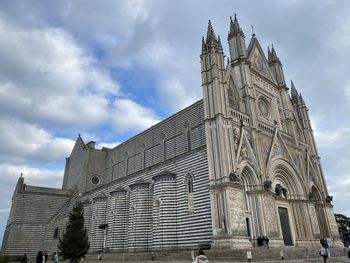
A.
pixel 276 242
pixel 231 242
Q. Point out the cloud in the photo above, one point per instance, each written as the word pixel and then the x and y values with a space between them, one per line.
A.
pixel 47 78
pixel 9 175
pixel 22 142
pixel 107 145
pixel 128 115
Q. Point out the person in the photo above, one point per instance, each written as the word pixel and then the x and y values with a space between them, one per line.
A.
pixel 24 259
pixel 267 241
pixel 39 257
pixel 99 256
pixel 324 243
pixel 201 258
pixel 45 256
pixel 259 240
pixel 55 257
pixel 324 253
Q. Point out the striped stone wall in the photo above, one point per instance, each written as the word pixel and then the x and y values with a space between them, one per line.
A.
pixel 152 210
pixel 33 209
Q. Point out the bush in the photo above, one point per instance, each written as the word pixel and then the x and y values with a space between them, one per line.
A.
pixel 4 259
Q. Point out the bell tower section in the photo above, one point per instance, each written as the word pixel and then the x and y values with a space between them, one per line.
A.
pixel 226 195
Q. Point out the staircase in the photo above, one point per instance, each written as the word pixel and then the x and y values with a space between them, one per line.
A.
pixel 258 255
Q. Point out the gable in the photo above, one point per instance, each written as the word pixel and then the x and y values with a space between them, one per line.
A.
pixel 245 151
pixel 279 149
pixel 258 60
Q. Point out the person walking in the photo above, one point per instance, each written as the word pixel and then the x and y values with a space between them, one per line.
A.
pixel 267 240
pixel 39 257
pixel 45 256
pixel 55 257
pixel 324 253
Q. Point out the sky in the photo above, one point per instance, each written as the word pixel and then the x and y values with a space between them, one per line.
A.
pixel 109 69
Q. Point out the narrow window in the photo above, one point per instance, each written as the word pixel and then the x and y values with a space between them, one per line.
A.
pixel 190 193
pixel 55 233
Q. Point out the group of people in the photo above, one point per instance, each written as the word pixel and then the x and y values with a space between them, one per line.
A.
pixel 263 241
pixel 42 257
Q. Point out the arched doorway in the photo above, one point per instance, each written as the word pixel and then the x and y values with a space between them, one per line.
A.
pixel 287 186
pixel 251 202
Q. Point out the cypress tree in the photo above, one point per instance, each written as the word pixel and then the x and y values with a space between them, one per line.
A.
pixel 74 244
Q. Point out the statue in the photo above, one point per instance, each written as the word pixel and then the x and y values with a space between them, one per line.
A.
pixel 267 185
pixel 234 178
pixel 278 189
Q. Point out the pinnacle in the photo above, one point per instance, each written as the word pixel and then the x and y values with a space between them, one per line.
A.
pixel 210 34
pixel 273 58
pixel 268 54
pixel 235 29
pixel 219 43
pixel 293 91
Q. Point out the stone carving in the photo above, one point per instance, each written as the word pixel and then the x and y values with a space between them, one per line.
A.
pixel 244 152
pixel 279 190
pixel 312 196
pixel 329 198
pixel 267 185
pixel 234 178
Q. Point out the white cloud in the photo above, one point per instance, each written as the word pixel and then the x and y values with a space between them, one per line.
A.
pixel 128 115
pixel 32 175
pixel 107 145
pixel 22 142
pixel 45 76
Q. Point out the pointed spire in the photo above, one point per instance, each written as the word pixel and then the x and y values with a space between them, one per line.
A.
pixel 268 54
pixel 235 29
pixel 294 92
pixel 203 44
pixel 219 43
pixel 274 58
pixel 210 34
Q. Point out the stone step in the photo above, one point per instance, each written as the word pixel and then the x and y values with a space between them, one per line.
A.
pixel 258 254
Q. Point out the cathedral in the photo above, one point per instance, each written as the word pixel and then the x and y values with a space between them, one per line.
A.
pixel 239 163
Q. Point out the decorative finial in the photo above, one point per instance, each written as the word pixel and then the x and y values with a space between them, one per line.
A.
pixel 21 175
pixel 253 33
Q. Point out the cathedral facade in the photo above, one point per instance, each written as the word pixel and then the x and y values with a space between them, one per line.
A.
pixel 239 163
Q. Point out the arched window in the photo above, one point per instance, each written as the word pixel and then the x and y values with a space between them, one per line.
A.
pixel 190 184
pixel 190 192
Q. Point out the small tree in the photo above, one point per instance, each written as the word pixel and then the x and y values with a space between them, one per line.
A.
pixel 74 244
